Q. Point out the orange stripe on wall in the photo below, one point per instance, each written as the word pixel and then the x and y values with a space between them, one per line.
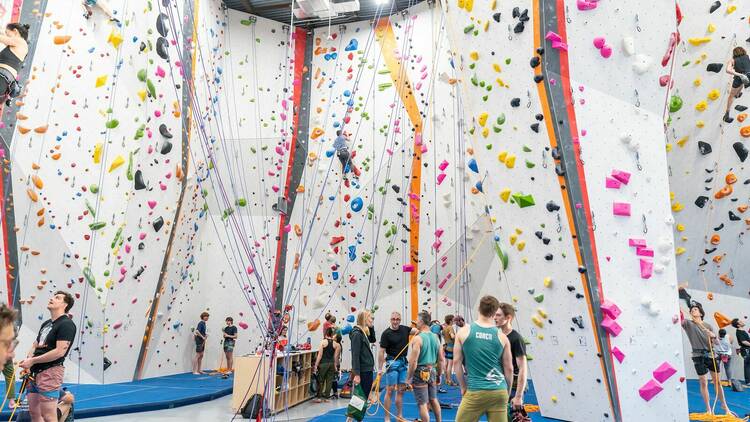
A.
pixel 387 39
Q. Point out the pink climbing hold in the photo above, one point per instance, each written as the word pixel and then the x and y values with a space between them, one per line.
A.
pixel 440 178
pixel 407 268
pixel 621 208
pixel 242 325
pixel 622 176
pixel 250 270
pixel 647 269
pixel 151 204
pixel 553 36
pixel 599 42
pixel 586 5
pixel 611 326
pixel 606 51
pixel 438 233
pixel 610 309
pixel 160 72
pixel 649 390
pixel 664 372
pixel 287 228
pixel 638 243
pixel 443 165
pixel 664 80
pixel 644 252
pixel 612 183
pixel 618 354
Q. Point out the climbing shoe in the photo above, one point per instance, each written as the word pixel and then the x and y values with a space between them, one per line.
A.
pixel 727 118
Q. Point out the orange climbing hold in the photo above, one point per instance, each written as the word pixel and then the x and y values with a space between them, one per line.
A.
pixel 35 166
pixel 745 131
pixel 725 191
pixel 319 278
pixel 316 133
pixel 717 259
pixel 61 39
pixel 313 325
pixel 23 130
pixel 178 172
pixel 728 281
pixel 741 117
pixel 32 195
pixel 715 239
pixel 37 181
pixel 730 179
pixel 742 208
pixel 721 319
pixel 41 129
pixel 20 116
pixel 298 230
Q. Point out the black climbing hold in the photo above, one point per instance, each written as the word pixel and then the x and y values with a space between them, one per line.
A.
pixel 703 262
pixel 141 246
pixel 548 257
pixel 582 269
pixel 162 26
pixel 552 207
pixel 496 17
pixel 139 184
pixel 740 108
pixel 719 227
pixel 704 148
pixel 516 12
pixel 143 47
pixel 700 201
pixel 158 224
pixel 535 61
pixel 396 188
pixel 539 234
pixel 539 116
pixel 559 170
pixel 538 78
pixel 571 288
pixel 555 153
pixel 714 67
pixel 166 147
pixel 540 51
pixel 535 127
pixel 519 28
pixel 579 296
pixel 546 240
pixel 162 48
pixel 709 180
pixel 709 251
pixel 516 102
pixel 714 6
pixel 733 217
pixel 578 321
pixel 524 17
pixel 741 151
pixel 164 131
pixel 107 363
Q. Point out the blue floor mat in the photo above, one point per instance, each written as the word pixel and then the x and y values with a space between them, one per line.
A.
pixel 142 396
pixel 738 402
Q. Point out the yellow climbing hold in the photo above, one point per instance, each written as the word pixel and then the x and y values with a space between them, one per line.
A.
pixel 560 369
pixel 671 196
pixel 115 38
pixel 554 399
pixel 142 95
pixel 569 377
pixel 505 194
pixel 680 227
pixel 513 238
pixel 700 123
pixel 482 119
pixel 699 41
pixel 98 153
pixel 101 81
pixel 521 245
pixel 117 162
pixel 701 106
pixel 731 9
pixel 469 5
pixel 485 132
pixel 497 67
pixel 502 156
pixel 697 82
pixel 541 312
pixel 668 147
pixel 679 251
pixel 538 322
pixel 510 161
pixel 711 28
pixel 547 282
pixel 714 95
pixel 474 55
pixel 493 5
pixel 571 354
pixel 461 4
pixel 681 141
pixel 677 207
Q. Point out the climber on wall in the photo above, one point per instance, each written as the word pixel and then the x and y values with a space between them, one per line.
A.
pixel 739 67
pixel 342 152
pixel 103 5
pixel 11 58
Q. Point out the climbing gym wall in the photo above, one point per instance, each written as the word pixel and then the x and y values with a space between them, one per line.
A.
pixel 401 231
pixel 615 106
pixel 707 155
pixel 549 189
pixel 96 168
pixel 227 230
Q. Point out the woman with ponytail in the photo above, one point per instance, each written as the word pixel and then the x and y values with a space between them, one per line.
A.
pixel 13 55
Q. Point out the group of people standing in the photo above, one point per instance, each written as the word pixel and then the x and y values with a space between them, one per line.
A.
pixel 486 358
pixel 229 337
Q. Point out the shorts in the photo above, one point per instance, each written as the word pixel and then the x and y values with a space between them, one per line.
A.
pixel 396 373
pixel 229 346
pixel 475 403
pixel 47 383
pixel 424 391
pixel 737 82
pixel 200 347
pixel 704 364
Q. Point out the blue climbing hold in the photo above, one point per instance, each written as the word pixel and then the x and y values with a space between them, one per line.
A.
pixel 347 93
pixel 352 252
pixel 353 44
pixel 346 330
pixel 330 153
pixel 473 165
pixel 357 204
pixel 350 318
pixel 479 187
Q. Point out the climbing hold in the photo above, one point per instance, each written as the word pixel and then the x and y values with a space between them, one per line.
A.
pixel 357 204
pixel 715 5
pixel 61 39
pixel 117 162
pixel 162 48
pixel 139 184
pixel 115 38
pixel 162 24
pixel 473 165
pixel 164 131
pixel 704 148
pixel 166 147
pixel 675 104
pixel 741 150
pixel 157 224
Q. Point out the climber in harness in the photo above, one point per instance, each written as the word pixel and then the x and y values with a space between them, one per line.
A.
pixel 739 67
pixel 11 58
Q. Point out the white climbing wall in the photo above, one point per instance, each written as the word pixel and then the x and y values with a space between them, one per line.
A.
pixel 710 224
pixel 235 173
pixel 366 267
pixel 88 124
pixel 619 105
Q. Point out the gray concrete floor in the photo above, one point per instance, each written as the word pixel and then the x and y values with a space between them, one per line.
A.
pixel 219 410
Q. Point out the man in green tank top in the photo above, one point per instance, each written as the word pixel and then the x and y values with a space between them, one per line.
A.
pixel 426 361
pixel 481 347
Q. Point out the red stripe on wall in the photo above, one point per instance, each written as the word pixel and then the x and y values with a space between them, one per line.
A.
pixel 300 43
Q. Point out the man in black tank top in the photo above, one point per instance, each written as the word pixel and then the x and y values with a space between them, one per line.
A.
pixel 739 67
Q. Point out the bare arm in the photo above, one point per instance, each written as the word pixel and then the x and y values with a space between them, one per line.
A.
pixel 336 355
pixel 458 360
pixel 319 356
pixel 61 347
pixel 416 346
pixel 522 376
pixel 730 68
pixel 381 358
pixel 507 360
pixel 441 362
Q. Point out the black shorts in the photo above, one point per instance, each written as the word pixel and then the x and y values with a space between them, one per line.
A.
pixel 737 82
pixel 200 347
pixel 704 364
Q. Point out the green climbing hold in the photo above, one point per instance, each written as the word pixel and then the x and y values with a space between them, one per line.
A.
pixel 502 255
pixel 501 119
pixel 530 165
pixel 240 202
pixel 151 88
pixel 675 104
pixel 90 208
pixel 539 298
pixel 129 173
pixel 526 149
pixel 94 188
pixel 474 80
pixel 246 22
pixel 89 277
pixel 97 225
pixel 522 200
pixel 468 29
pixel 390 249
pixel 117 237
pixel 384 86
pixel 142 75
pixel 111 124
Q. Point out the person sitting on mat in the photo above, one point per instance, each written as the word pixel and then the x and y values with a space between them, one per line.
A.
pixel 230 337
pixel 739 67
pixel 103 5
pixel 200 343
pixel 12 57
